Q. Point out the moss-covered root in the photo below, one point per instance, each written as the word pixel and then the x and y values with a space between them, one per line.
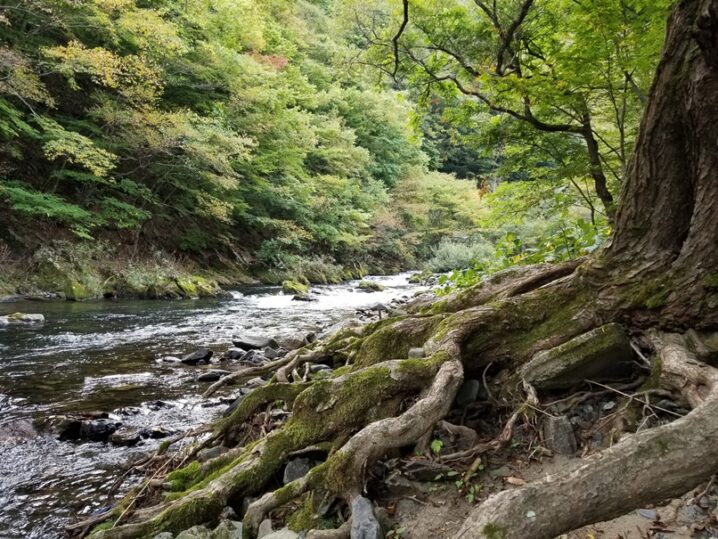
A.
pixel 254 400
pixel 623 477
pixel 324 411
pixel 343 472
pixel 246 374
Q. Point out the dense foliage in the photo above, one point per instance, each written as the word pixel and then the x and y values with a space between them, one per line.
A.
pixel 202 126
pixel 261 133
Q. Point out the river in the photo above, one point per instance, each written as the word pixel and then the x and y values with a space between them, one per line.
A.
pixel 102 356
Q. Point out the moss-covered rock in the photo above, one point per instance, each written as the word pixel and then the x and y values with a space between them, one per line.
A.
pixel 370 286
pixel 295 288
pixel 600 351
pixel 77 291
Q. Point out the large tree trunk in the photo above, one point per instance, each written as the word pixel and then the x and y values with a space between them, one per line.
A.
pixel 660 270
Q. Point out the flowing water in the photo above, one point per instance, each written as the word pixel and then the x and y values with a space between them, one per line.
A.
pixel 102 356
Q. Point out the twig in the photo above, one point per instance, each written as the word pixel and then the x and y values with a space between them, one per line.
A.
pixel 646 403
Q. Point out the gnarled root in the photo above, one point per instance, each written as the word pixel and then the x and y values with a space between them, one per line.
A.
pixel 647 467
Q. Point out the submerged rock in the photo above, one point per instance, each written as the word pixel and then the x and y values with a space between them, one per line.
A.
pixel 125 437
pixel 254 357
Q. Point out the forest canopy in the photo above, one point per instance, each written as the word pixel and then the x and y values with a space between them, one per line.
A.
pixel 285 137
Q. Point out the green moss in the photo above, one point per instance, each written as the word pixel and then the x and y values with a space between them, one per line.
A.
pixel 182 478
pixel 494 531
pixel 392 339
pixel 370 285
pixel 294 287
pixel 104 526
pixel 76 291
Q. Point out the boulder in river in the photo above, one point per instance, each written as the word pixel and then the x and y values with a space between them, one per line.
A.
pixel 200 356
pixel 370 286
pixel 125 437
pixel 254 342
pixel 21 319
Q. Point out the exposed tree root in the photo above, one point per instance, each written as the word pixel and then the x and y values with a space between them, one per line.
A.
pixel 647 467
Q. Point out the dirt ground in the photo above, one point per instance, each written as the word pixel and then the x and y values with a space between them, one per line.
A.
pixel 437 510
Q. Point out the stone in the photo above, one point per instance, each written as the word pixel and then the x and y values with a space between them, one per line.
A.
pixel 559 436
pixel 291 342
pixel 294 287
pixel 164 535
pixel 125 437
pixel 254 342
pixel 195 532
pixel 304 297
pixel 604 351
pixel 22 319
pixel 284 533
pixel 370 286
pixel 254 357
pixel 235 353
pixel 364 523
pixel 97 430
pixel 503 471
pixel 468 392
pixel 320 367
pixel 212 375
pixel 228 529
pixel 295 469
pixel 200 356
pixel 156 433
pixel 270 353
pixel 650 514
pixel 416 353
pixel 265 528
pixel 228 513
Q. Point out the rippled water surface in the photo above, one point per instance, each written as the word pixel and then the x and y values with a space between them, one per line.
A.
pixel 102 356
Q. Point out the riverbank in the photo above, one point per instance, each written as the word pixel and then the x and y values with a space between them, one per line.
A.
pixel 76 272
pixel 100 356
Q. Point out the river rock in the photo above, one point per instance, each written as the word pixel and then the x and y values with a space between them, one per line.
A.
pixel 304 297
pixel 319 367
pixel 196 532
pixel 265 528
pixel 98 430
pixel 292 341
pixel 200 356
pixel 156 433
pixel 270 353
pixel 228 529
pixel 559 436
pixel 235 353
pixel 21 319
pixel 212 375
pixel 335 328
pixel 254 357
pixel 164 535
pixel 364 524
pixel 125 437
pixel 370 286
pixel 468 392
pixel 296 468
pixel 254 342
pixel 169 359
pixel 284 533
